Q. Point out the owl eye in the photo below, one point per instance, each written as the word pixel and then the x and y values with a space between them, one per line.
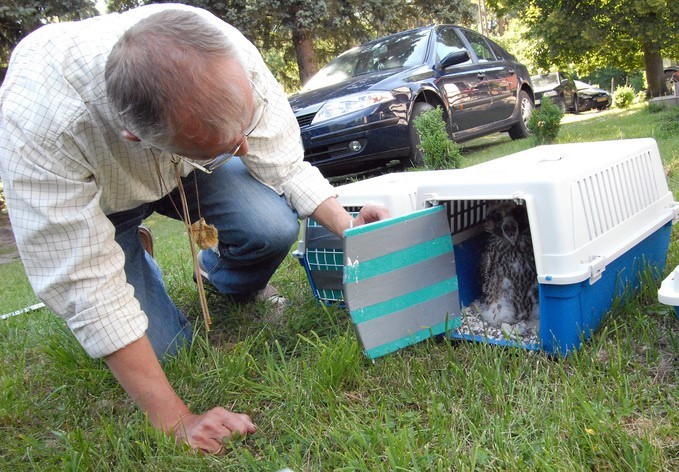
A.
pixel 495 217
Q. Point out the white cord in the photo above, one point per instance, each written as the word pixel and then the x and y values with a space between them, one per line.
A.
pixel 23 310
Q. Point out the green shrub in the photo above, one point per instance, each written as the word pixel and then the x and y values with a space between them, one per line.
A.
pixel 623 96
pixel 439 151
pixel 545 122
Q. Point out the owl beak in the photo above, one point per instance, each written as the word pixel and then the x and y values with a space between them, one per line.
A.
pixel 510 229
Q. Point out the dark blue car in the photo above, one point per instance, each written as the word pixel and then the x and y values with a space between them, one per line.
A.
pixel 357 112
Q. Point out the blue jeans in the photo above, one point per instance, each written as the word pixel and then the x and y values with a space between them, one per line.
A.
pixel 256 230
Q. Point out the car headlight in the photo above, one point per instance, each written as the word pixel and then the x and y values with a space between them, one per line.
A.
pixel 550 93
pixel 349 104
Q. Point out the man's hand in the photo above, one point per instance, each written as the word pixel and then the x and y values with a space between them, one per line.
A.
pixel 208 432
pixel 334 217
pixel 141 375
pixel 371 213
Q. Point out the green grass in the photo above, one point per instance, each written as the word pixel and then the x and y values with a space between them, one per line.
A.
pixel 321 405
pixel 16 292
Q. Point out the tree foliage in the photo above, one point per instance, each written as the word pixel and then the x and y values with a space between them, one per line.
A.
pixel 628 34
pixel 123 5
pixel 298 35
pixel 305 34
pixel 18 18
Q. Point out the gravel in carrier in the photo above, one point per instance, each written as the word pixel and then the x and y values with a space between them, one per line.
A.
pixel 474 326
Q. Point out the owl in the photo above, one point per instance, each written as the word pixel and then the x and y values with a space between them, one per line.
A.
pixel 507 267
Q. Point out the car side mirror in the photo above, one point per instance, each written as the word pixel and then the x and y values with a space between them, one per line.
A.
pixel 455 58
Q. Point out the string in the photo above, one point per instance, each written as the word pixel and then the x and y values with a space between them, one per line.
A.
pixel 164 188
pixel 194 254
pixel 195 183
pixel 184 216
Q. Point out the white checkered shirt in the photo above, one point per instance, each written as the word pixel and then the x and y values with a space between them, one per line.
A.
pixel 64 167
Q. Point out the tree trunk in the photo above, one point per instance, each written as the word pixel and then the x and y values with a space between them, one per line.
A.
pixel 654 70
pixel 306 56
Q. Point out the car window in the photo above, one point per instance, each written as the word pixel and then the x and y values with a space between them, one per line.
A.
pixel 545 80
pixel 500 53
pixel 480 46
pixel 447 41
pixel 565 77
pixel 392 52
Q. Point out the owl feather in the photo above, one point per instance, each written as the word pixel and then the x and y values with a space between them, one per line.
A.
pixel 507 267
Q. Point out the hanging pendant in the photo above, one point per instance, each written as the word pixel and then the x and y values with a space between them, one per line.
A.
pixel 204 235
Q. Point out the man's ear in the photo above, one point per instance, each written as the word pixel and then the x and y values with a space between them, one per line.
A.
pixel 129 136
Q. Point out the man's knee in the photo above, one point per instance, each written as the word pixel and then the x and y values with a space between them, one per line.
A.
pixel 286 233
pixel 275 236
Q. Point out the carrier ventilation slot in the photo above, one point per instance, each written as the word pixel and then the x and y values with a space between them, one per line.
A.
pixel 617 193
pixel 465 214
pixel 353 210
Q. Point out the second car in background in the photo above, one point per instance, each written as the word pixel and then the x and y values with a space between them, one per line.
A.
pixel 357 112
pixel 592 98
pixel 559 87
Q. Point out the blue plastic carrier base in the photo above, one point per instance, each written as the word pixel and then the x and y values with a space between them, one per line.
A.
pixel 587 304
pixel 569 314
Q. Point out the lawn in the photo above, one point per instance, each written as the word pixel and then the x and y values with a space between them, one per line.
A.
pixel 321 405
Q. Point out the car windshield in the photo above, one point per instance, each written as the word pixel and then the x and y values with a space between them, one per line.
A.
pixel 394 52
pixel 545 80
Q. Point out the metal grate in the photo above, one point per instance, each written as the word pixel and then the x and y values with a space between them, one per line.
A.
pixel 322 261
pixel 305 120
pixel 464 214
pixel 325 259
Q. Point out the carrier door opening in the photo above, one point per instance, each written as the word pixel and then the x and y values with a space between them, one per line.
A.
pixel 495 261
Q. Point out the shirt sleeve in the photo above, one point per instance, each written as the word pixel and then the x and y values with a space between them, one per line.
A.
pixel 276 155
pixel 67 244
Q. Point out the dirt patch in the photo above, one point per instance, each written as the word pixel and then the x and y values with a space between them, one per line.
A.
pixel 8 249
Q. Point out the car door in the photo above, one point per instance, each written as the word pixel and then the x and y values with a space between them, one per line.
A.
pixel 458 83
pixel 497 84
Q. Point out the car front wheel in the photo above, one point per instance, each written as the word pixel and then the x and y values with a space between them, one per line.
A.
pixel 416 157
pixel 562 105
pixel 520 129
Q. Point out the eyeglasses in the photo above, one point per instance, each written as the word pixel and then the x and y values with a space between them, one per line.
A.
pixel 226 157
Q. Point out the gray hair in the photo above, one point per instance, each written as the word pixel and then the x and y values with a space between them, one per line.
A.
pixel 160 73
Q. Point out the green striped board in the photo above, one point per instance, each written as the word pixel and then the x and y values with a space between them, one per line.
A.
pixel 399 281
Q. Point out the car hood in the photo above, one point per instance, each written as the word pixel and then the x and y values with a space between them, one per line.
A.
pixel 381 80
pixel 592 90
pixel 545 88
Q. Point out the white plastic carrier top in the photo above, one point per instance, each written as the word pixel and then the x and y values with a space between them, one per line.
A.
pixel 587 203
